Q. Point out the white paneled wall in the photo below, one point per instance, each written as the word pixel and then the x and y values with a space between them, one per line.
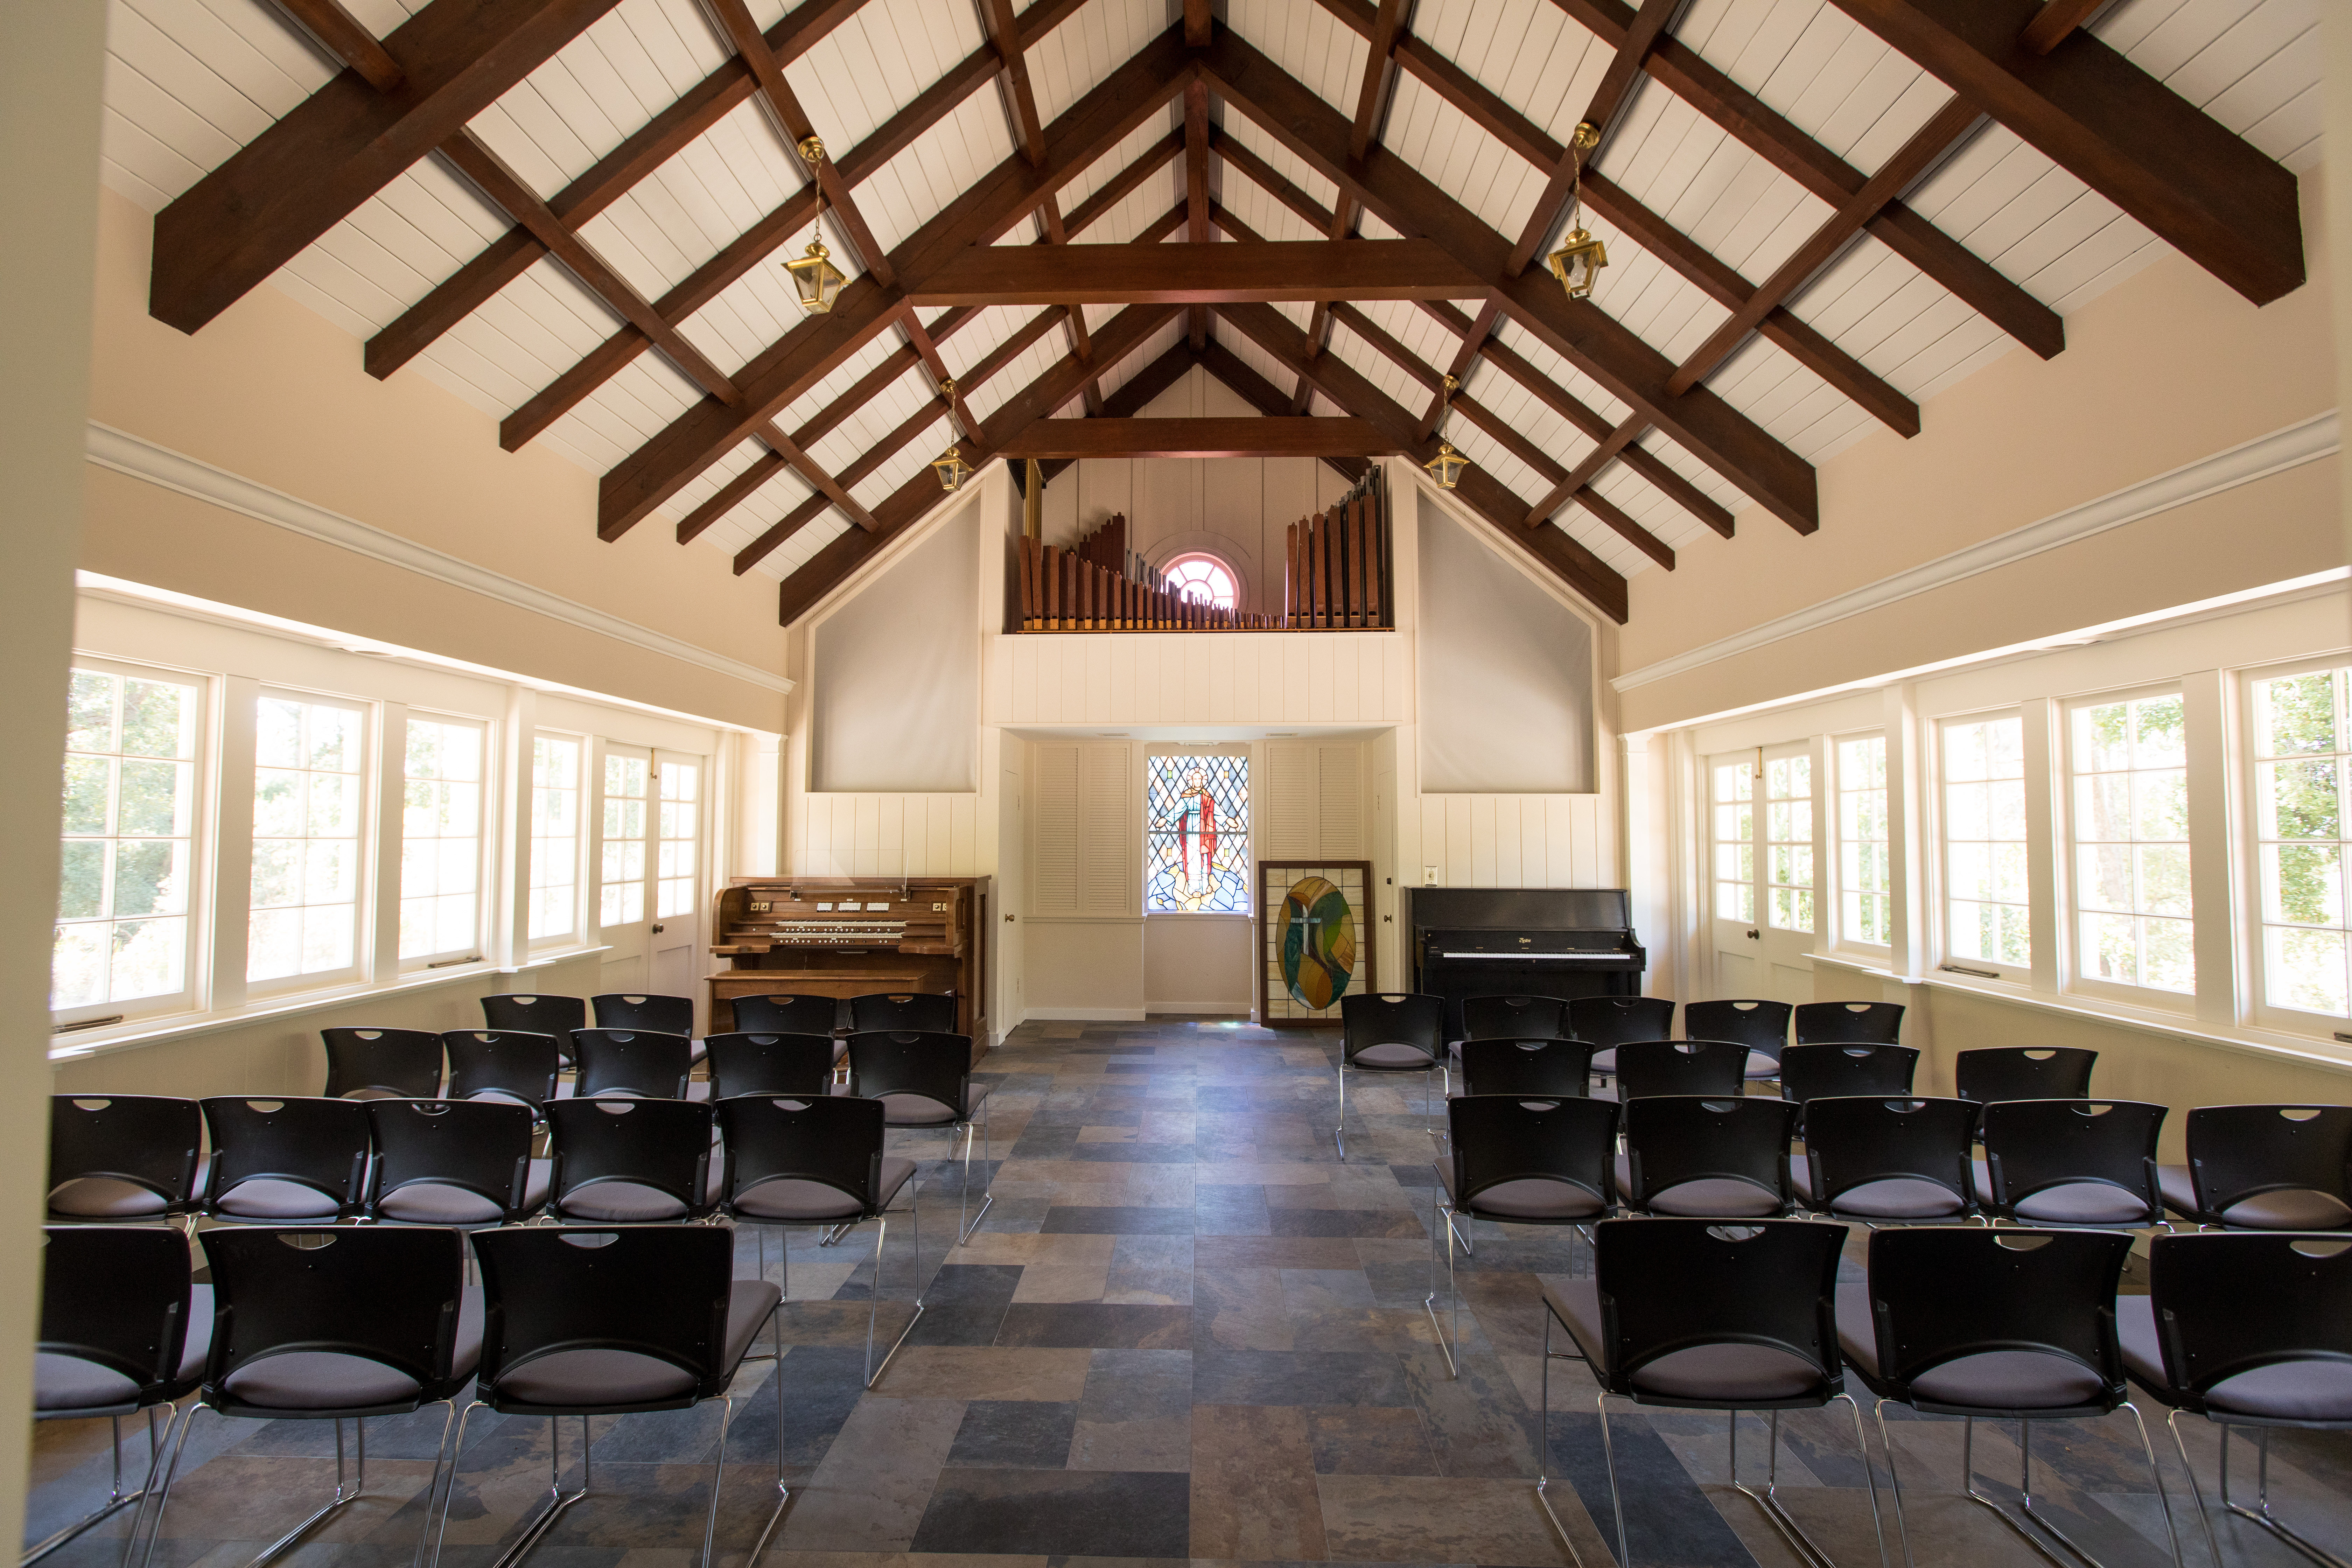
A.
pixel 1199 678
pixel 885 836
pixel 1084 852
pixel 1313 799
pixel 1511 840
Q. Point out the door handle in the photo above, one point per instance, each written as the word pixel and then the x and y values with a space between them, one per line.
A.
pixel 1751 935
pixel 657 931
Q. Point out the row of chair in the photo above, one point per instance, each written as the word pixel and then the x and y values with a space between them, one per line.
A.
pixel 1805 1072
pixel 531 1070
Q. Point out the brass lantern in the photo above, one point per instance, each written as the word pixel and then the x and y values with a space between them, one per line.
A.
pixel 817 281
pixel 1447 466
pixel 950 464
pixel 1579 260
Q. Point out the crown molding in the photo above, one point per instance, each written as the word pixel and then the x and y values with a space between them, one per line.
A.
pixel 141 458
pixel 2305 441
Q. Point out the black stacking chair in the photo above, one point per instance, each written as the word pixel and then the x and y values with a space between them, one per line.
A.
pixel 754 1062
pixel 1823 1071
pixel 1545 1070
pixel 612 1323
pixel 383 1064
pixel 1517 1162
pixel 122 1157
pixel 632 1062
pixel 1761 1026
pixel 286 1161
pixel 818 1162
pixel 654 1015
pixel 2265 1167
pixel 1514 1019
pixel 923 1078
pixel 2246 1331
pixel 1888 1160
pixel 782 1015
pixel 1690 1315
pixel 122 1333
pixel 629 1162
pixel 513 1065
pixel 920 1013
pixel 1388 1032
pixel 2070 1161
pixel 1994 1325
pixel 2024 1072
pixel 335 1325
pixel 555 1017
pixel 1849 1023
pixel 1646 1067
pixel 454 1162
pixel 1610 1021
pixel 1694 1157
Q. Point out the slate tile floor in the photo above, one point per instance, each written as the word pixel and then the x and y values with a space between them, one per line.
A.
pixel 1185 1331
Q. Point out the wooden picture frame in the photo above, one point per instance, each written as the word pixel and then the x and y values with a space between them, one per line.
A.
pixel 1278 1006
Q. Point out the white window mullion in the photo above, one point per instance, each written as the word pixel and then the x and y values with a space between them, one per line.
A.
pixel 507 942
pixel 384 905
pixel 2224 995
pixel 2044 886
pixel 232 834
pixel 1909 931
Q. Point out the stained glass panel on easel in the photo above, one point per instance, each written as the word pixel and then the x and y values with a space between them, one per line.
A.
pixel 1196 835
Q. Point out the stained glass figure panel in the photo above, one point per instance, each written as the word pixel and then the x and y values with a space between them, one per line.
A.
pixel 1196 835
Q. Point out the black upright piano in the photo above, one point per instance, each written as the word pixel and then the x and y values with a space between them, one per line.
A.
pixel 1520 941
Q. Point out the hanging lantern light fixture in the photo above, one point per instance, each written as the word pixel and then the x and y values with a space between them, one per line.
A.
pixel 1579 260
pixel 1447 466
pixel 817 281
pixel 950 464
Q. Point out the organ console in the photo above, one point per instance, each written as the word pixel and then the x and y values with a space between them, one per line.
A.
pixel 853 936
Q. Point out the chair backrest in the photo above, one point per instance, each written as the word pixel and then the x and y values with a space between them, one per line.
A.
pixel 1391 1018
pixel 1498 1137
pixel 664 1144
pixel 755 1062
pixel 314 1143
pixel 1609 1021
pixel 2031 1145
pixel 2024 1072
pixel 1758 1025
pixel 552 1016
pixel 928 1063
pixel 511 1063
pixel 920 1013
pixel 1814 1071
pixel 1555 1068
pixel 479 1145
pixel 1680 1067
pixel 786 1015
pixel 1674 1139
pixel 653 1014
pixel 1941 1292
pixel 1854 1140
pixel 1670 1285
pixel 117 1296
pixel 1849 1023
pixel 658 1291
pixel 388 1293
pixel 383 1064
pixel 2227 1304
pixel 150 1140
pixel 632 1062
pixel 834 1140
pixel 1514 1019
pixel 2240 1152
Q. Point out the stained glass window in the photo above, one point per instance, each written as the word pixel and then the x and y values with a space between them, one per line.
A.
pixel 1196 835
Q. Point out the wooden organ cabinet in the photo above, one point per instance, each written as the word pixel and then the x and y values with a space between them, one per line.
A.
pixel 854 936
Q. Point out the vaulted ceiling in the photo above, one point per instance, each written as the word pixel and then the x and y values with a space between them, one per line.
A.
pixel 1818 214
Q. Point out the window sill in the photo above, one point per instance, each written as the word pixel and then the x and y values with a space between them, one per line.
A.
pixel 186 1027
pixel 2257 1042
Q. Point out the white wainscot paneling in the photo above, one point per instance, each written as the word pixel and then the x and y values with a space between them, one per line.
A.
pixel 1200 677
pixel 885 836
pixel 1199 963
pixel 1517 840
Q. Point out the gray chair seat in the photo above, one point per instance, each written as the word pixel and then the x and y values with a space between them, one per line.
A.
pixel 593 1379
pixel 1761 1066
pixel 331 1379
pixel 1896 1197
pixel 840 1052
pixel 1711 1197
pixel 1577 1304
pixel 1604 1062
pixel 438 1202
pixel 1530 1198
pixel 1393 1059
pixel 2178 1189
pixel 792 1199
pixel 266 1197
pixel 2085 1203
pixel 622 1203
pixel 105 1197
pixel 2296 1208
pixel 1993 1380
pixel 1736 1374
pixel 922 1111
pixel 2310 1390
pixel 70 1383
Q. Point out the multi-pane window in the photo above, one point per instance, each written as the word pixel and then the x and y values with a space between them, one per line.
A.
pixel 1789 843
pixel 1734 841
pixel 680 786
pixel 441 838
pixel 626 783
pixel 122 931
pixel 309 804
pixel 555 837
pixel 2300 742
pixel 1196 833
pixel 1985 909
pixel 1865 880
pixel 2131 844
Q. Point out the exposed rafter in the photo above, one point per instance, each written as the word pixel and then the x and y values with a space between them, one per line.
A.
pixel 1249 436
pixel 344 38
pixel 1029 135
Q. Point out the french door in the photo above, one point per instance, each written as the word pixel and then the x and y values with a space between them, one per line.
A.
pixel 1763 882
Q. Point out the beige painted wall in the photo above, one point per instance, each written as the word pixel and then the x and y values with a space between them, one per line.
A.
pixel 275 393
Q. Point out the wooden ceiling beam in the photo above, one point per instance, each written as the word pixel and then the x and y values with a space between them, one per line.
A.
pixel 1196 186
pixel 1617 84
pixel 1029 134
pixel 1271 271
pixel 2219 201
pixel 2053 22
pixel 1259 393
pixel 773 539
pixel 345 38
pixel 1247 435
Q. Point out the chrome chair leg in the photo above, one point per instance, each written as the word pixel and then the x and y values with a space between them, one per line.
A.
pixel 164 1497
pixel 2260 1513
pixel 1616 1495
pixel 1543 1444
pixel 2196 1492
pixel 881 1228
pixel 2025 1497
pixel 783 1492
pixel 717 1476
pixel 1769 1501
pixel 1445 1342
pixel 557 1498
pixel 1894 1481
pixel 116 1498
pixel 964 1230
pixel 1339 1133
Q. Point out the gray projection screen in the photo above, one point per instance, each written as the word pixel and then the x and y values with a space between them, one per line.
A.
pixel 897 705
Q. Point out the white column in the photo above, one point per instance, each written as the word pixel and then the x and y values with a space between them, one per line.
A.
pixel 2045 874
pixel 390 757
pixel 232 884
pixel 1910 947
pixel 2214 857
pixel 506 943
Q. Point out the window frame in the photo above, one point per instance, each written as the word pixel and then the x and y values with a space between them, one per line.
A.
pixel 1837 934
pixel 1257 772
pixel 577 933
pixel 486 798
pixel 2253 968
pixel 2066 910
pixel 367 840
pixel 1232 574
pixel 1938 840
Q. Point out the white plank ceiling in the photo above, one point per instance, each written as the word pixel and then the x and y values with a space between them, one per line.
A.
pixel 189 81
